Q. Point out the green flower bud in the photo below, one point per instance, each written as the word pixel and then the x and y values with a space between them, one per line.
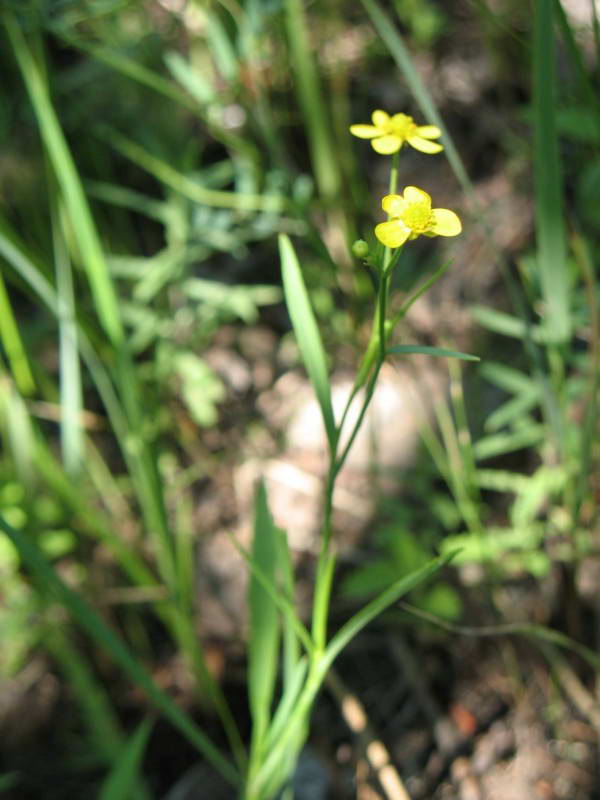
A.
pixel 360 249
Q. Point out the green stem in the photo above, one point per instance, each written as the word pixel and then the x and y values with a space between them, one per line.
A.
pixel 370 366
pixel 375 355
pixel 381 308
pixel 326 563
pixel 387 254
pixel 381 327
pixel 181 622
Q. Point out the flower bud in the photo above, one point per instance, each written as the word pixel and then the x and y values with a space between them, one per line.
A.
pixel 360 249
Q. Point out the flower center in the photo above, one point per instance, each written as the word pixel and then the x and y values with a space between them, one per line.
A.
pixel 417 217
pixel 403 126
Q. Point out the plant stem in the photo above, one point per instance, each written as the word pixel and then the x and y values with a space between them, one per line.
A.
pixel 387 255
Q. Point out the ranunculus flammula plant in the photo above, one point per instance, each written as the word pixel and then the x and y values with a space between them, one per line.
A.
pixel 388 134
pixel 411 215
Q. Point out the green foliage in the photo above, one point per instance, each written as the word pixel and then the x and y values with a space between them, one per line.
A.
pixel 152 155
pixel 404 552
pixel 425 20
pixel 307 334
pixel 201 389
pixel 120 784
pixel 89 620
pixel 551 246
pixel 264 627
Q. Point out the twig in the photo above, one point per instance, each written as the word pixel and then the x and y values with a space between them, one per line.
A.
pixel 376 752
pixel 577 693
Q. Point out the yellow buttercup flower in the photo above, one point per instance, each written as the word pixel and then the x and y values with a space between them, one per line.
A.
pixel 388 134
pixel 411 215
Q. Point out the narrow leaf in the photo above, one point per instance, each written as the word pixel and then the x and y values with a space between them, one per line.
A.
pixel 67 177
pixel 89 620
pixel 507 378
pixel 506 324
pixel 515 408
pixel 501 443
pixel 291 641
pixel 71 392
pixel 551 246
pixel 307 333
pixel 13 344
pixel 122 780
pixel 399 52
pixel 264 619
pixel 404 349
pixel 349 630
pixel 167 174
pixel 287 703
pixel 281 601
pixel 314 111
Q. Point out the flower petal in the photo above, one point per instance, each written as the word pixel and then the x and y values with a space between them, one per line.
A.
pixel 400 119
pixel 424 145
pixel 445 223
pixel 414 195
pixel 365 131
pixel 380 118
pixel 428 131
pixel 393 204
pixel 392 234
pixel 385 145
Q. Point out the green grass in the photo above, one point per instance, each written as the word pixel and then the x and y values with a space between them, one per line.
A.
pixel 158 172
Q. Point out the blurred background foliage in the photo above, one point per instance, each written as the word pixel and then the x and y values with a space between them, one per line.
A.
pixel 152 150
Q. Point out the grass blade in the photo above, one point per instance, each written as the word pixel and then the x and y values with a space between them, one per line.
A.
pixel 13 344
pixel 143 465
pixel 287 702
pixel 130 67
pixel 404 349
pixel 71 394
pixel 511 380
pixel 291 643
pixel 176 180
pixel 499 444
pixel 587 92
pixel 263 646
pixel 505 324
pixel 280 600
pixel 122 780
pixel 349 630
pixel 16 429
pixel 86 617
pixel 102 722
pixel 65 171
pixel 323 155
pixel 551 245
pixel 515 408
pixel 399 52
pixel 307 333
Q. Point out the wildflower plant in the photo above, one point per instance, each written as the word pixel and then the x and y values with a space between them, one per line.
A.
pixel 308 653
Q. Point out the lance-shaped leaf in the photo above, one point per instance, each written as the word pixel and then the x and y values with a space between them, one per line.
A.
pixel 264 619
pixel 307 333
pixel 405 349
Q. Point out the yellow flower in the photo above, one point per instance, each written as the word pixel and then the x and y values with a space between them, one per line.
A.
pixel 411 215
pixel 388 134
